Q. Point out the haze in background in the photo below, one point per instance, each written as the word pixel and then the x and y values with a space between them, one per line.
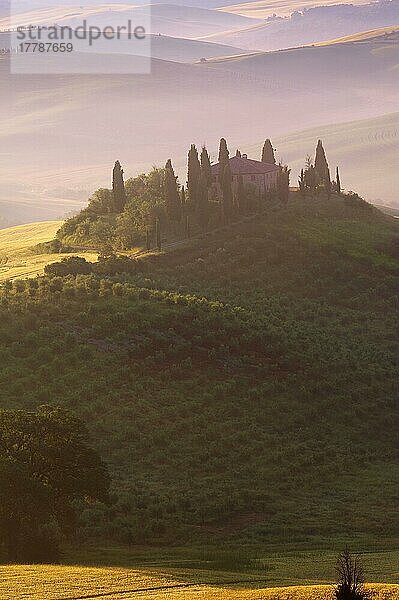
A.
pixel 61 135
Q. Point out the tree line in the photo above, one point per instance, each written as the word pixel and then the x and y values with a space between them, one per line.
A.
pixel 155 206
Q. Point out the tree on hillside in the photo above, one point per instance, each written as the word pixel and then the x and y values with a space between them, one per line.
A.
pixel 45 466
pixel 203 202
pixel 118 187
pixel 321 165
pixel 101 202
pixel 241 195
pixel 283 184
pixel 183 200
pixel 350 574
pixel 145 203
pixel 171 193
pixel 223 159
pixel 206 166
pixel 310 176
pixel 268 153
pixel 193 174
pixel 338 182
pixel 227 192
pixel 302 183
pixel 238 153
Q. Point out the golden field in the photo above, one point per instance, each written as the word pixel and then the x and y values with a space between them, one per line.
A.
pixel 38 582
pixel 16 256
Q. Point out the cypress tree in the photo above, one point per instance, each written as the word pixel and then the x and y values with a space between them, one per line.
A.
pixel 148 239
pixel 203 202
pixel 268 153
pixel 238 153
pixel 206 166
pixel 171 194
pixel 223 158
pixel 241 197
pixel 310 176
pixel 339 189
pixel 193 174
pixel 183 200
pixel 227 192
pixel 321 165
pixel 283 184
pixel 302 183
pixel 118 187
pixel 158 235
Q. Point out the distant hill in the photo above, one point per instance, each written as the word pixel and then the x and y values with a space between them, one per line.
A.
pixel 312 25
pixel 188 51
pixel 364 151
pixel 388 34
pixel 334 84
pixel 167 19
pixel 263 9
pixel 256 367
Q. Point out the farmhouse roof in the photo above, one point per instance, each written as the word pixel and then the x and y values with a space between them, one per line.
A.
pixel 240 165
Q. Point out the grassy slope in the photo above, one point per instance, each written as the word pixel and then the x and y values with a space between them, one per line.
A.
pixel 16 256
pixel 233 385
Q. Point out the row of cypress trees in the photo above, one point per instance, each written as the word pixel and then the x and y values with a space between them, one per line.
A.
pixel 316 175
pixel 196 200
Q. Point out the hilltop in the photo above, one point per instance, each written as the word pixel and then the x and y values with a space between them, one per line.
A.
pixel 252 367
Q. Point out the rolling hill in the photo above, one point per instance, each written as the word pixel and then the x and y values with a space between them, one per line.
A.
pixel 254 367
pixel 360 148
pixel 167 19
pixel 263 9
pixel 336 83
pixel 311 25
pixel 17 254
pixel 188 51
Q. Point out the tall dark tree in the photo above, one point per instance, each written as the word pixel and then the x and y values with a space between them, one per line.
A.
pixel 45 466
pixel 227 193
pixel 238 153
pixel 158 234
pixel 193 174
pixel 206 166
pixel 224 156
pixel 302 183
pixel 283 184
pixel 268 153
pixel 171 192
pixel 321 165
pixel 183 200
pixel 310 176
pixel 241 195
pixel 118 187
pixel 338 182
pixel 203 202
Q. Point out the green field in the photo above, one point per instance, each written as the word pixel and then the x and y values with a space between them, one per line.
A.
pixel 17 259
pixel 242 389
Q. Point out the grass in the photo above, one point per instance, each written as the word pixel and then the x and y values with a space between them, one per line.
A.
pixel 242 389
pixel 17 260
pixel 57 582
